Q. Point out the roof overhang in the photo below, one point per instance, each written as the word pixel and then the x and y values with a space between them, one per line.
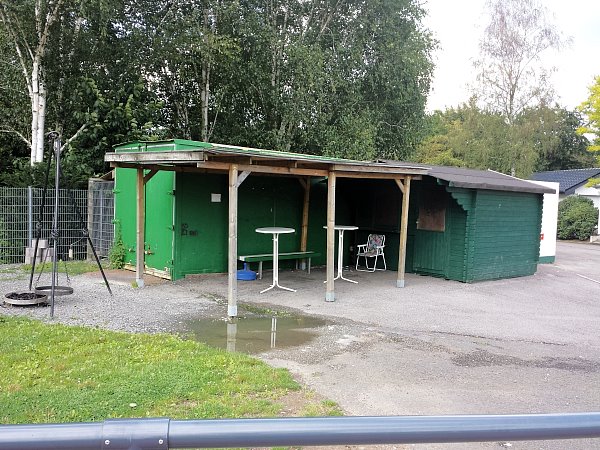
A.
pixel 219 158
pixel 191 156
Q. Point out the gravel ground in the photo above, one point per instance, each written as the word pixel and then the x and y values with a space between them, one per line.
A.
pixel 522 345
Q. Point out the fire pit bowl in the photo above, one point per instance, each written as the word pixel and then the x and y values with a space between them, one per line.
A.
pixel 25 299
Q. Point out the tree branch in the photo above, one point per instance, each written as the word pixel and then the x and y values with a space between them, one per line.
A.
pixel 50 19
pixel 75 136
pixel 23 138
pixel 11 29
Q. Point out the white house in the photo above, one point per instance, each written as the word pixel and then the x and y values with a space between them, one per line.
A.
pixel 573 182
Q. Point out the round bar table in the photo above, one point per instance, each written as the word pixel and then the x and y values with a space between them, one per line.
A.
pixel 275 231
pixel 340 229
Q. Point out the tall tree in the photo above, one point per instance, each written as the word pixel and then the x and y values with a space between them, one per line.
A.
pixel 510 73
pixel 591 109
pixel 553 134
pixel 30 39
pixel 541 139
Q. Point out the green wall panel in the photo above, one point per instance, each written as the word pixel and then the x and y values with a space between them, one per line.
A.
pixel 202 229
pixel 505 235
pixel 200 224
pixel 125 209
pixel 158 220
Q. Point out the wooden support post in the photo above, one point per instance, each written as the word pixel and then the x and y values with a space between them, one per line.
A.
pixel 330 293
pixel 403 231
pixel 232 266
pixel 140 229
pixel 305 206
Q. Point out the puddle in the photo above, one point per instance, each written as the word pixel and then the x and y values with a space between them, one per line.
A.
pixel 255 334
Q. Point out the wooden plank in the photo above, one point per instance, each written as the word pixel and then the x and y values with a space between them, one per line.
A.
pixel 232 242
pixel 241 177
pixel 140 228
pixel 149 175
pixel 158 157
pixel 305 206
pixel 264 169
pixel 400 185
pixel 330 293
pixel 376 176
pixel 159 167
pixel 403 233
pixel 369 168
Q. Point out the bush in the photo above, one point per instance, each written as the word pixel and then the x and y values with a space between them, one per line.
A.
pixel 116 255
pixel 577 218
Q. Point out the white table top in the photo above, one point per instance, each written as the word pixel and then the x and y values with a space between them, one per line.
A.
pixel 343 227
pixel 274 230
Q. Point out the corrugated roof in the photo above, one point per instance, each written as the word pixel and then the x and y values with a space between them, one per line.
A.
pixel 569 180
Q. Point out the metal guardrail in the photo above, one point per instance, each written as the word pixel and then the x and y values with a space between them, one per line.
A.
pixel 155 434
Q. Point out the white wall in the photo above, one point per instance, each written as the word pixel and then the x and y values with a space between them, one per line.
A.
pixel 549 220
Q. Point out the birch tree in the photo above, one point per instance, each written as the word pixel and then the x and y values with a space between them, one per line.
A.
pixel 511 74
pixel 31 49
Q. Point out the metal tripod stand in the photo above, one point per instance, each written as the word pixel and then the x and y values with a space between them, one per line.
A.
pixel 54 233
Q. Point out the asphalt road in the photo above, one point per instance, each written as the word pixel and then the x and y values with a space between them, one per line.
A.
pixel 523 345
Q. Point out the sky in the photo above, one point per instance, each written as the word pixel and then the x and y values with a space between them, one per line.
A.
pixel 459 25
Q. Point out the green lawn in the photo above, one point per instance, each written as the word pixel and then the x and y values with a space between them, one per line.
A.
pixel 75 267
pixel 57 373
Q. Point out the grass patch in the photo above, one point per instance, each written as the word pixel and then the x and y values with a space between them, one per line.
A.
pixel 70 267
pixel 262 311
pixel 58 373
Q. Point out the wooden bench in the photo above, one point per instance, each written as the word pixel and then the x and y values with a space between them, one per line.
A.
pixel 285 255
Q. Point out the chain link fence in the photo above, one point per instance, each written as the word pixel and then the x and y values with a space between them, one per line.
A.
pixel 19 215
pixel 101 208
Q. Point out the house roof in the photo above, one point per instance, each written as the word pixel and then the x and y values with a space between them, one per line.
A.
pixel 569 180
pixel 167 155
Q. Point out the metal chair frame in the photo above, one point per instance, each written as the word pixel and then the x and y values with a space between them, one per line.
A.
pixel 369 250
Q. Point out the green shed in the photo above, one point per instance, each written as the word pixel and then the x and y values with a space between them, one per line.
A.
pixel 195 207
pixel 475 225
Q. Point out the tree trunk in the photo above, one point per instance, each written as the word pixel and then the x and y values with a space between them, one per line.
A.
pixel 35 110
pixel 204 96
pixel 39 149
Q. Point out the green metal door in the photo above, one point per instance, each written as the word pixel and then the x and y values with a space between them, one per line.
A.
pixel 159 224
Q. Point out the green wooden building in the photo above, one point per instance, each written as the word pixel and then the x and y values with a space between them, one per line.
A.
pixel 461 224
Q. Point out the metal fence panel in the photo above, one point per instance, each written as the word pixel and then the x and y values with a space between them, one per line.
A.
pixel 19 213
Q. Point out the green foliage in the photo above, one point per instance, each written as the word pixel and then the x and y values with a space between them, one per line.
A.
pixel 117 252
pixel 348 80
pixel 577 218
pixel 591 109
pixel 539 139
pixel 57 373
